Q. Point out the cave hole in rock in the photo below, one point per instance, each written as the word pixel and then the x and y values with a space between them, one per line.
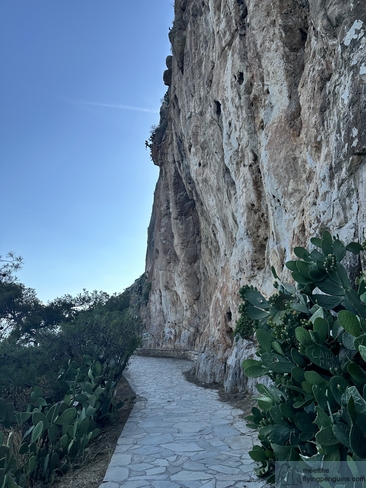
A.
pixel 228 315
pixel 304 35
pixel 229 331
pixel 218 107
pixel 240 78
pixel 254 155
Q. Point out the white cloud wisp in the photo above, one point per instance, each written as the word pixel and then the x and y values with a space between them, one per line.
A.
pixel 112 105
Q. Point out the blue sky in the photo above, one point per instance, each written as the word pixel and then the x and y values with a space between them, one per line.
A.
pixel 80 87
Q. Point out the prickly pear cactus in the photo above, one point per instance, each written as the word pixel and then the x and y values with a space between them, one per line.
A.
pixel 312 344
pixel 56 434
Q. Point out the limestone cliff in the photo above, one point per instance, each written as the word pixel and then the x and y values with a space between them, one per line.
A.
pixel 261 144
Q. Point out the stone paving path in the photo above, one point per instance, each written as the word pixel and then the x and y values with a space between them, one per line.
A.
pixel 179 434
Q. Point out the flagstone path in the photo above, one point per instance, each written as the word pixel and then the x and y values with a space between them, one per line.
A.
pixel 179 434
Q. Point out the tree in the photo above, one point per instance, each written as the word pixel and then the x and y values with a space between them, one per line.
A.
pixel 9 263
pixel 38 339
pixel 23 315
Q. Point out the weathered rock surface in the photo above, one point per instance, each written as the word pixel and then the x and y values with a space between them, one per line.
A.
pixel 261 145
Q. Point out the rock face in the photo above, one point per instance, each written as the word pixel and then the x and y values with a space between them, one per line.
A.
pixel 261 145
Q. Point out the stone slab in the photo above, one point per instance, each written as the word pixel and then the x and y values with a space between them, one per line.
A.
pixel 179 435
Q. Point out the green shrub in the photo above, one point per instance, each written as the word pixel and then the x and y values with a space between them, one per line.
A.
pixel 115 333
pixel 312 345
pixel 245 326
pixel 112 327
pixel 94 335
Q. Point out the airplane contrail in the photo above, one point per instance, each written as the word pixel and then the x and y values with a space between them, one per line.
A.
pixel 24 209
pixel 95 104
pixel 113 105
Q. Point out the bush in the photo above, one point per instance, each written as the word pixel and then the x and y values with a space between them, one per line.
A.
pixel 57 431
pixel 115 333
pixel 312 345
pixel 68 355
pixel 110 324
